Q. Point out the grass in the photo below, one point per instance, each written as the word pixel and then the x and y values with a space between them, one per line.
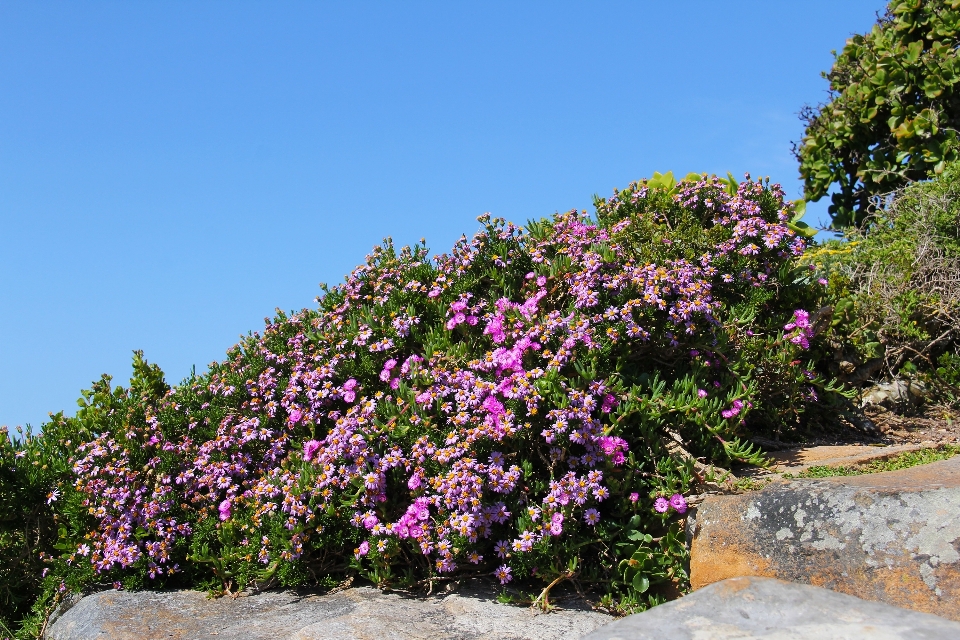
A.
pixel 902 461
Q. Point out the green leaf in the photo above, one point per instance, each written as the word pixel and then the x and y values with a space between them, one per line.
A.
pixel 641 583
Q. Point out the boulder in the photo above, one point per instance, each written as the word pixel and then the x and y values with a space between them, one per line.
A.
pixel 889 537
pixel 896 393
pixel 360 613
pixel 767 608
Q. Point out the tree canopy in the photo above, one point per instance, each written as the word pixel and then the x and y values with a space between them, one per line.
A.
pixel 893 109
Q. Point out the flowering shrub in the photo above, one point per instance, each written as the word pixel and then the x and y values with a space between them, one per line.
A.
pixel 511 409
pixel 893 290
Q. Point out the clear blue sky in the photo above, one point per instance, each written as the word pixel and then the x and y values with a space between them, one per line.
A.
pixel 172 172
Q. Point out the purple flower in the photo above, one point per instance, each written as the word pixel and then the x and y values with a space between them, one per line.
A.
pixel 661 505
pixel 591 516
pixel 310 449
pixel 503 574
pixel 678 502
pixel 609 402
pixel 493 406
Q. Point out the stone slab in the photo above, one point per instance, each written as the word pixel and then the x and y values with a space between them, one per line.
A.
pixel 797 460
pixel 360 613
pixel 775 610
pixel 890 537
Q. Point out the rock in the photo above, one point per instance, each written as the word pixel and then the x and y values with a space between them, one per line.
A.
pixel 359 613
pixel 897 393
pixel 776 610
pixel 797 460
pixel 890 537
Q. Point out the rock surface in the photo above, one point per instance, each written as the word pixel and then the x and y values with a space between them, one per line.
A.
pixel 797 460
pixel 776 610
pixel 890 537
pixel 361 613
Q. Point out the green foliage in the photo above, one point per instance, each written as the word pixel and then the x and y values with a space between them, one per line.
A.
pixel 557 384
pixel 893 112
pixel 895 288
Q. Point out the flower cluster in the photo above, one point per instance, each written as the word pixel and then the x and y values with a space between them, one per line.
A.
pixel 676 502
pixel 800 329
pixel 501 406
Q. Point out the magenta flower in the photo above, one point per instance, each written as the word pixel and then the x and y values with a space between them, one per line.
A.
pixel 661 505
pixel 701 393
pixel 296 416
pixel 310 448
pixel 678 502
pixel 634 497
pixel 493 406
pixel 225 509
pixel 362 550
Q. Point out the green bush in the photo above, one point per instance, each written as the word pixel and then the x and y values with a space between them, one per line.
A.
pixel 895 288
pixel 528 407
pixel 893 113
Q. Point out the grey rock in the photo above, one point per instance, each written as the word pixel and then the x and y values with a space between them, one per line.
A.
pixel 775 610
pixel 891 537
pixel 360 613
pixel 897 393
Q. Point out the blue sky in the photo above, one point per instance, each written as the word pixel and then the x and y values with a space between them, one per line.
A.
pixel 170 173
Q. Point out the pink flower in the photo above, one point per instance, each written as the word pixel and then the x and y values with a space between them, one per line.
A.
pixel 349 385
pixel 701 393
pixel 349 396
pixel 224 509
pixel 362 550
pixel 609 402
pixel 634 497
pixel 678 502
pixel 296 416
pixel 414 482
pixel 310 449
pixel 493 406
pixel 471 320
pixel 661 505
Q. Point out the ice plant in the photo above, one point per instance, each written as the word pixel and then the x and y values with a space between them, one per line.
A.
pixel 500 408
